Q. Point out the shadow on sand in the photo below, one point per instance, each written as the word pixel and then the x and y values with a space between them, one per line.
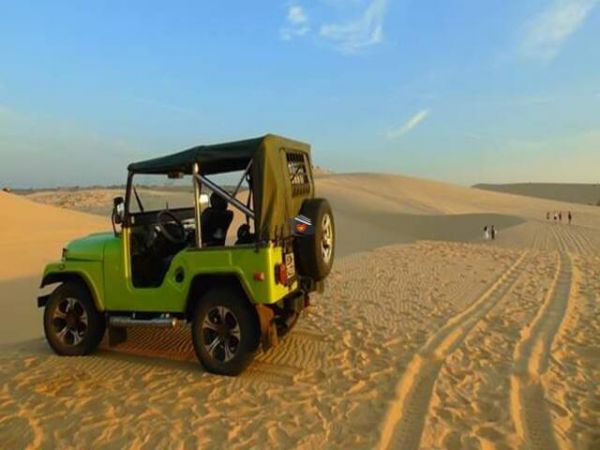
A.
pixel 364 232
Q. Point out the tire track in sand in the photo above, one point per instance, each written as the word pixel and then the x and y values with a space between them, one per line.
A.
pixel 528 406
pixel 581 240
pixel 405 418
pixel 572 243
pixel 560 243
pixel 571 239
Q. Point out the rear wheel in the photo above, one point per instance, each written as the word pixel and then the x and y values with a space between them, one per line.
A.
pixel 225 331
pixel 72 324
pixel 315 253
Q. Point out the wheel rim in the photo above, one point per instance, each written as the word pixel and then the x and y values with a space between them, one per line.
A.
pixel 70 322
pixel 221 334
pixel 327 238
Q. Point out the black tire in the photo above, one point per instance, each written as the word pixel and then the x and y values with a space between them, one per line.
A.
pixel 72 324
pixel 315 253
pixel 225 331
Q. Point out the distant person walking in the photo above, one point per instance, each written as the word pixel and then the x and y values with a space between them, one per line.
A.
pixel 570 217
pixel 486 233
pixel 560 216
pixel 548 215
pixel 493 232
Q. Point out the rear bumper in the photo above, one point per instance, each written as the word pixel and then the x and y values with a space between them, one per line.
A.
pixel 309 285
pixel 295 301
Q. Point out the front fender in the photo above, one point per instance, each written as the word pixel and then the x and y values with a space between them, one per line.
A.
pixel 89 272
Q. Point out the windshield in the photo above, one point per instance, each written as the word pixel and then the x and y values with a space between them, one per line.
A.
pixel 158 192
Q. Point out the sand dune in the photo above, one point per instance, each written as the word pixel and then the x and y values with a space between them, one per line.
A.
pixel 389 209
pixel 399 194
pixel 586 194
pixel 430 344
pixel 93 201
pixel 100 201
pixel 33 234
pixel 386 209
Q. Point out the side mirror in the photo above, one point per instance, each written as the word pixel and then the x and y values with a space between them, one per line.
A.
pixel 118 210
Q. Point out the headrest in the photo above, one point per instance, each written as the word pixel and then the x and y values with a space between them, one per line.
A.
pixel 243 231
pixel 217 202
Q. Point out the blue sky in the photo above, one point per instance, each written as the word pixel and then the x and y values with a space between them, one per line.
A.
pixel 461 90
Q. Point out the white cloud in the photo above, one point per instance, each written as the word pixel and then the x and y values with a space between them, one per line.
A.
pixel 546 33
pixel 296 15
pixel 352 36
pixel 409 125
pixel 297 23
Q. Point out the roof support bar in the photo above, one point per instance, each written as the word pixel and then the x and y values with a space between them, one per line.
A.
pixel 197 205
pixel 237 188
pixel 224 195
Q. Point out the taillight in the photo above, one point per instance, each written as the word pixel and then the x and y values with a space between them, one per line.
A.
pixel 301 227
pixel 281 275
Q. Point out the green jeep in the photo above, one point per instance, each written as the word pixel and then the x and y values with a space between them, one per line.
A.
pixel 163 266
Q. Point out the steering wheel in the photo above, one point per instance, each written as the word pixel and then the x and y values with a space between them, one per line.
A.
pixel 175 235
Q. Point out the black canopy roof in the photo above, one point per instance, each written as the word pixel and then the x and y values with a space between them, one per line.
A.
pixel 226 157
pixel 275 203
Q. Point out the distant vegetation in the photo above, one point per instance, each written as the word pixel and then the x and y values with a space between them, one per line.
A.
pixel 27 191
pixel 319 171
pixel 74 189
pixel 586 194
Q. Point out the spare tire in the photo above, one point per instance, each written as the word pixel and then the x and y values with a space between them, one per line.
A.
pixel 315 252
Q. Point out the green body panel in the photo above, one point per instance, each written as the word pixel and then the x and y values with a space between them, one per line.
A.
pixel 90 248
pixel 90 271
pixel 104 263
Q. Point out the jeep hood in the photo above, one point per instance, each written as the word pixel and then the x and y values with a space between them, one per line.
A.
pixel 89 248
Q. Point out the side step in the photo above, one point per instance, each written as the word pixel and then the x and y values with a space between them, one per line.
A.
pixel 128 321
pixel 117 326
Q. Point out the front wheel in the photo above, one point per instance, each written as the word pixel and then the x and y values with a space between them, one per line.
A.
pixel 72 324
pixel 225 331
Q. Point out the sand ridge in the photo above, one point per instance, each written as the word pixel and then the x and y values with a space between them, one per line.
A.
pixel 586 194
pixel 34 234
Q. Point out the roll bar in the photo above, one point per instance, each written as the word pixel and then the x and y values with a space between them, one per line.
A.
pixel 224 194
pixel 198 180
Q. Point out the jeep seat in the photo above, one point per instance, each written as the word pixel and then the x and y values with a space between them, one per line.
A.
pixel 244 236
pixel 215 221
